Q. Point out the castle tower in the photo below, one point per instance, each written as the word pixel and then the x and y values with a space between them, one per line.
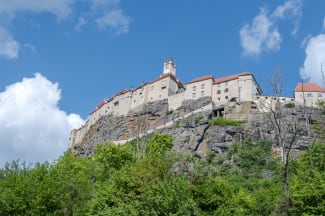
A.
pixel 170 67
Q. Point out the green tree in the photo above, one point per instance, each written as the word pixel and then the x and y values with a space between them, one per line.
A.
pixel 308 185
pixel 159 144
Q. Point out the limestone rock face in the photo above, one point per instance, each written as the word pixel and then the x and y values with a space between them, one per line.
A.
pixel 190 128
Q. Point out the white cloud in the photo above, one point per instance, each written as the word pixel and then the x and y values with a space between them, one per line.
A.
pixel 324 24
pixel 261 35
pixel 81 22
pixel 315 57
pixel 61 8
pixel 116 20
pixel 106 13
pixel 32 126
pixel 30 46
pixel 290 8
pixel 9 47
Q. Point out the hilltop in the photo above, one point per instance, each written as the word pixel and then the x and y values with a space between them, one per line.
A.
pixel 167 105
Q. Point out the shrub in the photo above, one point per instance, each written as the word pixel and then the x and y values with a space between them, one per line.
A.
pixel 220 121
pixel 177 124
pixel 169 112
pixel 289 105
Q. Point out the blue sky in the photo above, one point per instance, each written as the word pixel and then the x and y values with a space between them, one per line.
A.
pixel 68 55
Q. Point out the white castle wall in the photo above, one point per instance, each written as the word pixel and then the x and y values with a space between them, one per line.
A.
pixel 175 101
pixel 309 98
pixel 199 89
pixel 266 103
pixel 158 90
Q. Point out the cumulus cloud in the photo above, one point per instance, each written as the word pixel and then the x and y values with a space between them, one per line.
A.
pixel 106 13
pixel 32 126
pixel 9 47
pixel 61 8
pixel 263 34
pixel 315 59
pixel 116 20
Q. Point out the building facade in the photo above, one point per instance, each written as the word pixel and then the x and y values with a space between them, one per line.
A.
pixel 309 94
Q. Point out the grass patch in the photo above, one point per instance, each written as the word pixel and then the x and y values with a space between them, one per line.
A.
pixel 197 119
pixel 220 121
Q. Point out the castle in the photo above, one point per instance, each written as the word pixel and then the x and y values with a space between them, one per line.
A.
pixel 240 87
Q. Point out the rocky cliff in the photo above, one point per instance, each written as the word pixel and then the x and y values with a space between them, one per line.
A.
pixel 189 125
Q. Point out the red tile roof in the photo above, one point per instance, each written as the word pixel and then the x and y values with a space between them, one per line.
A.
pixel 232 77
pixel 309 87
pixel 202 78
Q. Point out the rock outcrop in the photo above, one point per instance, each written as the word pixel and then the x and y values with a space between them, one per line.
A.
pixel 190 128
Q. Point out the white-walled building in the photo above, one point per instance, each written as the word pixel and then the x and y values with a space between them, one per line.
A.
pixel 309 94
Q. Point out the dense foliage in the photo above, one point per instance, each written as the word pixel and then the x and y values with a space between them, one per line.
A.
pixel 245 181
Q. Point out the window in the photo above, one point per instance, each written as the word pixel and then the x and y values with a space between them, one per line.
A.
pixel 152 87
pixel 202 93
pixel 218 92
pixel 309 95
pixel 202 86
pixel 163 87
pixel 218 99
pixel 226 97
pixel 193 95
pixel 226 83
pixel 226 90
pixel 320 95
pixel 194 88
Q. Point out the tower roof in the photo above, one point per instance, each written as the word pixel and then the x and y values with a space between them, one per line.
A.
pixel 170 60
